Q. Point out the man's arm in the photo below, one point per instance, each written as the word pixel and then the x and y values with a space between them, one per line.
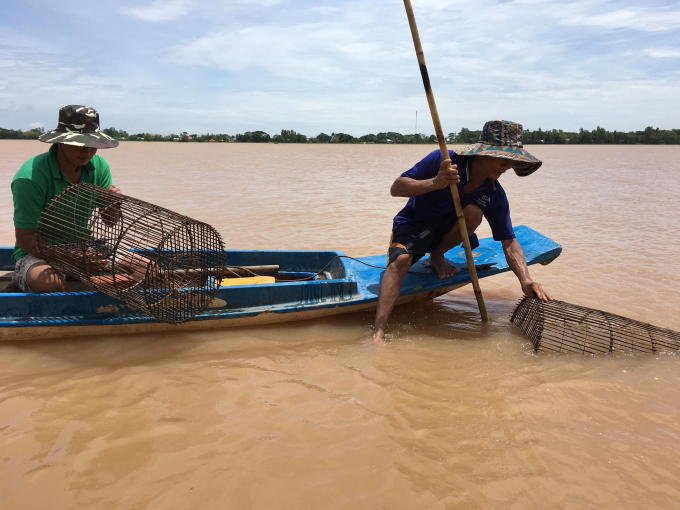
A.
pixel 515 257
pixel 27 240
pixel 407 187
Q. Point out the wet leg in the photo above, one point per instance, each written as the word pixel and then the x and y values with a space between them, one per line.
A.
pixel 390 287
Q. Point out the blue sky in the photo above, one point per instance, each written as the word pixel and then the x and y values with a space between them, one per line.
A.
pixel 239 65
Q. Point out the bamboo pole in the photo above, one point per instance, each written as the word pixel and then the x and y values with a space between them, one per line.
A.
pixel 445 155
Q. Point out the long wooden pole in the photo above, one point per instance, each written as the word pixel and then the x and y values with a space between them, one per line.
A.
pixel 445 155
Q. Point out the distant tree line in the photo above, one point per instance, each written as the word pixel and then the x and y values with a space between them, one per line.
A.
pixel 290 136
pixel 650 136
pixel 181 137
pixel 18 134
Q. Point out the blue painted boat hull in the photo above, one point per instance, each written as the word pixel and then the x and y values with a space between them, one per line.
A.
pixel 346 285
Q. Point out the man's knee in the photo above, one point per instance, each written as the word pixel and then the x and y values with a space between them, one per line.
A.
pixel 44 278
pixel 473 217
pixel 402 263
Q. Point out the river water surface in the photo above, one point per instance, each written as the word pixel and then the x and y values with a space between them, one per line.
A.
pixel 449 413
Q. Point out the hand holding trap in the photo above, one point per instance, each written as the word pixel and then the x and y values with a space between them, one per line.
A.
pixel 155 260
pixel 563 327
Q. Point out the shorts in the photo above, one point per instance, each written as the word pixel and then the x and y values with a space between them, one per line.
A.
pixel 21 270
pixel 419 240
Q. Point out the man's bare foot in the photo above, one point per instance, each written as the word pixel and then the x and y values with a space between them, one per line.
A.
pixel 378 336
pixel 442 266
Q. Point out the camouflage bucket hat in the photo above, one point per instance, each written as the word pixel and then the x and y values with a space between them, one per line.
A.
pixel 503 139
pixel 79 125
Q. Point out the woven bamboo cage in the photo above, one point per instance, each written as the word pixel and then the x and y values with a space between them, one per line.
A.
pixel 563 327
pixel 155 260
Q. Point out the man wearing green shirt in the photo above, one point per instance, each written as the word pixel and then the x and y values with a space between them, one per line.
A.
pixel 72 159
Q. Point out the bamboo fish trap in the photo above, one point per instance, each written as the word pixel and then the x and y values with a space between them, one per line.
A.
pixel 153 259
pixel 563 327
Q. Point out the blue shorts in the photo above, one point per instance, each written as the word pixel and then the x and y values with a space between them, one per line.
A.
pixel 419 240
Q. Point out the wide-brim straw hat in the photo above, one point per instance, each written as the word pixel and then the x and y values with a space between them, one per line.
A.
pixel 79 125
pixel 503 139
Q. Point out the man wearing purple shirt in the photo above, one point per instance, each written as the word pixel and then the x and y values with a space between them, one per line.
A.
pixel 428 222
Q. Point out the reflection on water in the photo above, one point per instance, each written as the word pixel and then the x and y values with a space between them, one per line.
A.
pixel 450 414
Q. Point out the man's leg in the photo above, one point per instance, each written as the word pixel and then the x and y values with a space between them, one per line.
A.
pixel 389 292
pixel 42 277
pixel 473 218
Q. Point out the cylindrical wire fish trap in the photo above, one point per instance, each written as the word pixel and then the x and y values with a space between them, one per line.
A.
pixel 563 327
pixel 155 260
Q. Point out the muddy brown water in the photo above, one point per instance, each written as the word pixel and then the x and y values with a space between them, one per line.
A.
pixel 448 414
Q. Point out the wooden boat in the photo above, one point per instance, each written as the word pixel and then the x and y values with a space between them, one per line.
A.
pixel 335 284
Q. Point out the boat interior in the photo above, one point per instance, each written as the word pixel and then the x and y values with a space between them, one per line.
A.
pixel 242 267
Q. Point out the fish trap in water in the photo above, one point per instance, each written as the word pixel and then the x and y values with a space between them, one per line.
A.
pixel 563 327
pixel 153 259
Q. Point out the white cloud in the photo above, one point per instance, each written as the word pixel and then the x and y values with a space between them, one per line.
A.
pixel 593 13
pixel 633 18
pixel 265 3
pixel 171 10
pixel 314 52
pixel 325 9
pixel 663 52
pixel 34 125
pixel 162 10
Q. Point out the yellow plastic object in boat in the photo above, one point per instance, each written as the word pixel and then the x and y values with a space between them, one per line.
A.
pixel 254 280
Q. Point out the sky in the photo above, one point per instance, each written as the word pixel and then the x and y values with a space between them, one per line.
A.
pixel 231 66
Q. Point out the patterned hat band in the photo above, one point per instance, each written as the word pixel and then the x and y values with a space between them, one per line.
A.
pixel 79 125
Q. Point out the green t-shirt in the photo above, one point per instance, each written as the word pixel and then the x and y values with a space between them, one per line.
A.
pixel 39 180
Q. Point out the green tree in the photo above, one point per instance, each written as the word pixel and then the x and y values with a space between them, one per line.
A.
pixel 33 134
pixel 253 137
pixel 467 136
pixel 342 138
pixel 115 133
pixel 259 137
pixel 669 137
pixel 393 137
pixel 558 136
pixel 381 138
